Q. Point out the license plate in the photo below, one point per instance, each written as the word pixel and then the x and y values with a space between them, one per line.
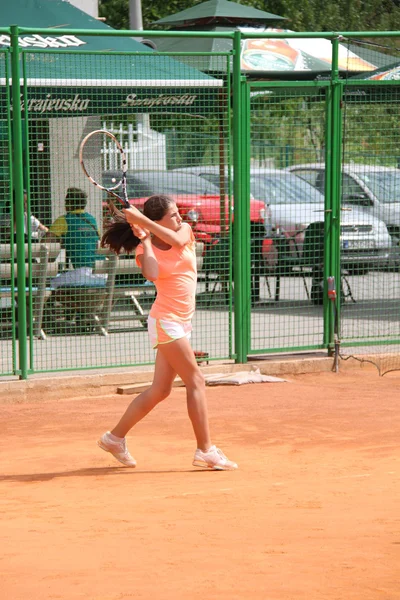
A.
pixel 358 244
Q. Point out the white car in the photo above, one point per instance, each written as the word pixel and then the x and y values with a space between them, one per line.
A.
pixel 375 189
pixel 295 204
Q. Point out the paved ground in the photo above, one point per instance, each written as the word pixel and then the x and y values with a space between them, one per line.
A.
pixel 293 322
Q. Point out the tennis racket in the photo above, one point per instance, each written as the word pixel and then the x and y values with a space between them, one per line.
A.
pixel 93 149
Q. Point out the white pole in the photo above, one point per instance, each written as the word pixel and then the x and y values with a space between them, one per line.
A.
pixel 135 14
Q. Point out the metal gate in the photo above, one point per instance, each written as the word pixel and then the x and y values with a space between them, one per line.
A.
pixel 370 177
pixel 324 156
pixel 290 123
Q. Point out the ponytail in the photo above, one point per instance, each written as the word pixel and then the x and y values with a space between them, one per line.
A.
pixel 118 235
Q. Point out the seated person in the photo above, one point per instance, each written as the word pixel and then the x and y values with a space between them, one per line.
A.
pixel 37 228
pixel 78 234
pixel 76 230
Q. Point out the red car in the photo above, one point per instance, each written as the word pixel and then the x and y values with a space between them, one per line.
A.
pixel 198 200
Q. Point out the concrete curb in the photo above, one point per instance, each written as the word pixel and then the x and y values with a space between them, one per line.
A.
pixel 52 386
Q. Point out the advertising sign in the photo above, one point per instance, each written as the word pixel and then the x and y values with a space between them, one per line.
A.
pixel 297 54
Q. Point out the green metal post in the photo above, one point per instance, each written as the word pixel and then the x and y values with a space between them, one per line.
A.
pixel 337 93
pixel 229 191
pixel 18 179
pixel 327 309
pixel 244 224
pixel 10 162
pixel 25 135
pixel 239 320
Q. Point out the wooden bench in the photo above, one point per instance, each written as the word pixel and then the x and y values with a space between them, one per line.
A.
pixel 115 266
pixel 40 265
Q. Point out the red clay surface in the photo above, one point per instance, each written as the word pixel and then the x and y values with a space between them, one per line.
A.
pixel 313 513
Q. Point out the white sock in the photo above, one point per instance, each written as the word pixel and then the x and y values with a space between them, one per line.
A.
pixel 114 438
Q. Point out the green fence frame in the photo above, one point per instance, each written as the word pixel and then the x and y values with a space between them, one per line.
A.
pixel 240 117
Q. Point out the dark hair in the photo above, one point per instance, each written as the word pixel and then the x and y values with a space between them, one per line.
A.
pixel 118 235
pixel 75 199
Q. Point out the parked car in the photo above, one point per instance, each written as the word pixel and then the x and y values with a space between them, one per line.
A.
pixel 199 203
pixel 375 189
pixel 198 200
pixel 295 204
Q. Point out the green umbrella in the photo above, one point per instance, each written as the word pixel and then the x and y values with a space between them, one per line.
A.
pixel 72 84
pixel 304 58
pixel 213 16
pixel 218 12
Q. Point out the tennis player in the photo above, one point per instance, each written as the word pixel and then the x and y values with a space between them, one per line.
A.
pixel 165 252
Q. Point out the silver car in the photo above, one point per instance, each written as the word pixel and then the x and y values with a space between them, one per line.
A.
pixel 295 204
pixel 375 189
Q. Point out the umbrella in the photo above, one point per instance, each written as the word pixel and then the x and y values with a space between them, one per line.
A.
pixel 85 77
pixel 216 16
pixel 65 82
pixel 217 12
pixel 262 57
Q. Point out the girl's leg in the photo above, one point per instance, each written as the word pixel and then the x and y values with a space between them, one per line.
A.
pixel 180 357
pixel 140 406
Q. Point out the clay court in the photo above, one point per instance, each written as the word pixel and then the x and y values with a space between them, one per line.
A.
pixel 312 514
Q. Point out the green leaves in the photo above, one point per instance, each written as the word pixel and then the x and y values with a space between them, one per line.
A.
pixel 309 15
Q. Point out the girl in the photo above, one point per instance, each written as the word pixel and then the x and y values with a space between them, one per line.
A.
pixel 165 252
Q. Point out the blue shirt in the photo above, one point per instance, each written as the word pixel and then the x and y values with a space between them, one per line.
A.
pixel 79 236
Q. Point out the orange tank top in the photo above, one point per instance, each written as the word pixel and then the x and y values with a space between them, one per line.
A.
pixel 176 282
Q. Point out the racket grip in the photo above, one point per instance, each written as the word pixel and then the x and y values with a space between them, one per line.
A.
pixel 138 231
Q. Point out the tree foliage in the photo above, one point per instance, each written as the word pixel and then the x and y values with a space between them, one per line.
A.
pixel 290 129
pixel 309 15
pixel 116 12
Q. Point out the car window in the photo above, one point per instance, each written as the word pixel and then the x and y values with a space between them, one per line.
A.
pixel 213 178
pixel 138 189
pixel 385 185
pixel 143 185
pixel 312 177
pixel 283 188
pixel 350 187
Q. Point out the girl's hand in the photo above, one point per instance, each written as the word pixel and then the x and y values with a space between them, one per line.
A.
pixel 140 232
pixel 133 215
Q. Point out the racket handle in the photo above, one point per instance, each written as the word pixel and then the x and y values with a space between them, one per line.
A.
pixel 138 231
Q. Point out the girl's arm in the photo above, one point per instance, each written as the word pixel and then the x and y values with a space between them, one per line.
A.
pixel 177 239
pixel 147 260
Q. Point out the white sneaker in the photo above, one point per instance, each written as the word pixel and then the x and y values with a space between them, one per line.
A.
pixel 214 458
pixel 117 449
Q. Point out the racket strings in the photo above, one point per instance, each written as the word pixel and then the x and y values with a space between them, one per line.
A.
pixel 102 160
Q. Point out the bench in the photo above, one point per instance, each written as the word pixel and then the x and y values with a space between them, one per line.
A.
pixel 117 268
pixel 84 308
pixel 308 262
pixel 40 264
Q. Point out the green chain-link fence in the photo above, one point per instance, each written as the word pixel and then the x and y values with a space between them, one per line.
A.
pixel 272 176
